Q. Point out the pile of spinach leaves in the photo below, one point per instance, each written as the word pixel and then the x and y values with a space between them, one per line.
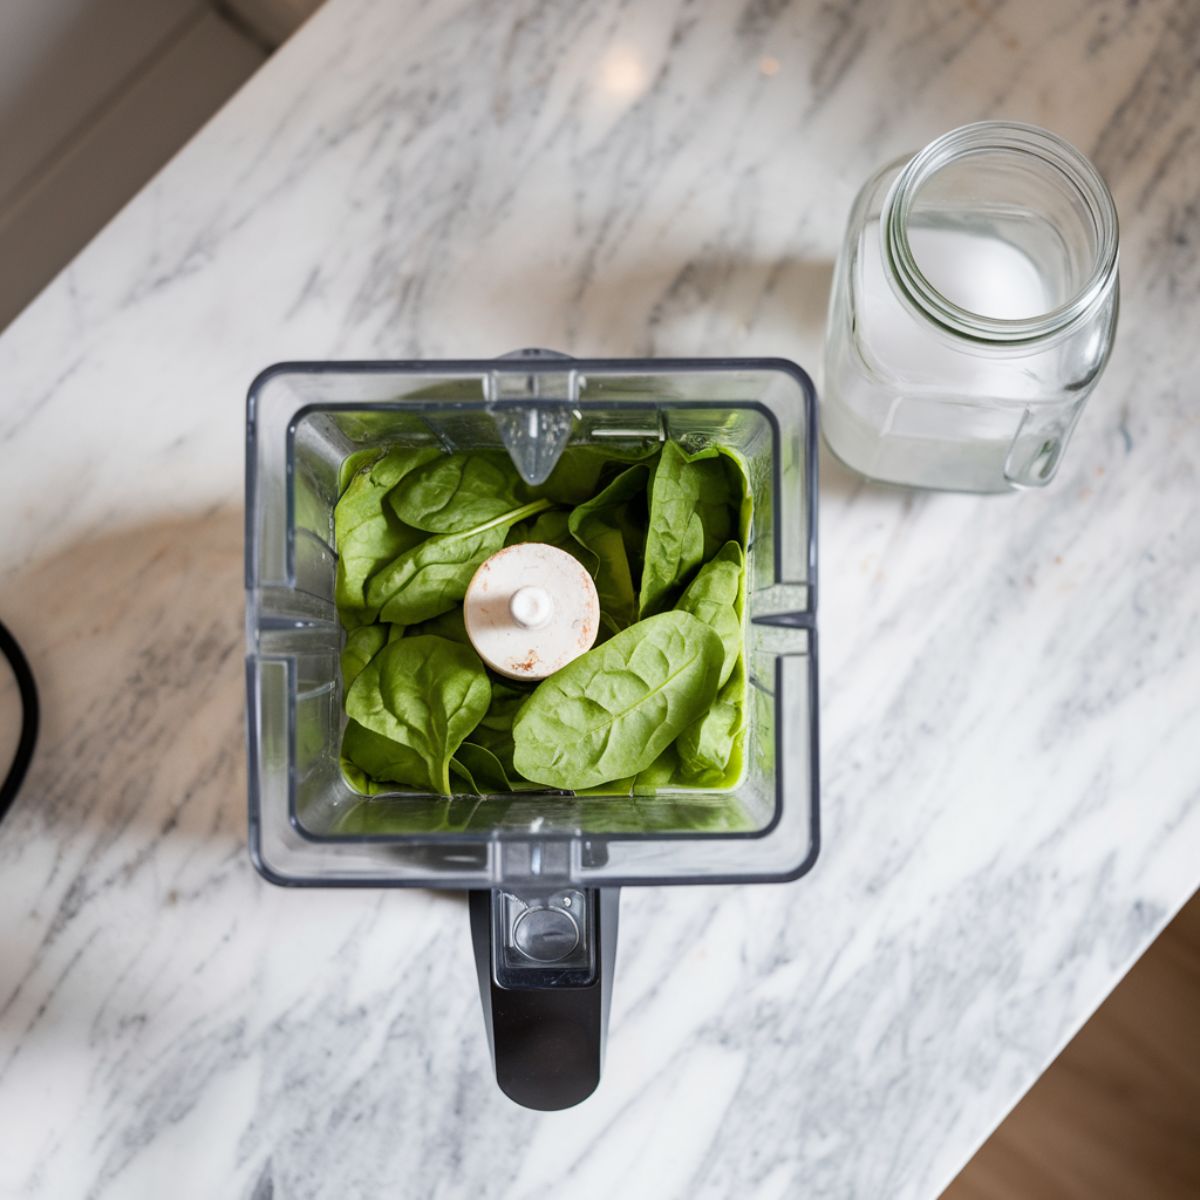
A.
pixel 658 703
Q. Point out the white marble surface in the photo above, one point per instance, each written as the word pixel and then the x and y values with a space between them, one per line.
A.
pixel 1011 696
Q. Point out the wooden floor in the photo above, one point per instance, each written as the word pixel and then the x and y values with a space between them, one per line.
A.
pixel 1118 1113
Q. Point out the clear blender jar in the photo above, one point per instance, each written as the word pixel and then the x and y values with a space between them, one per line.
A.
pixel 543 869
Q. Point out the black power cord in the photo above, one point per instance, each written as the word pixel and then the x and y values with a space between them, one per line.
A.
pixel 27 690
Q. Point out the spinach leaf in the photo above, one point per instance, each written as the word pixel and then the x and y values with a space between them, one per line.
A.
pixel 719 499
pixel 480 768
pixel 370 762
pixel 449 625
pixel 485 772
pixel 519 532
pixel 358 780
pixel 367 534
pixel 707 748
pixel 613 710
pixel 551 529
pixel 716 597
pixel 661 774
pixel 495 729
pixel 459 492
pixel 575 477
pixel 424 695
pixel 432 577
pixel 362 644
pixel 584 470
pixel 597 527
pixel 615 787
pixel 631 519
pixel 396 632
pixel 738 470
pixel 691 517
pixel 353 463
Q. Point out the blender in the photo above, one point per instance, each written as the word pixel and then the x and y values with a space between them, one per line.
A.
pixel 543 869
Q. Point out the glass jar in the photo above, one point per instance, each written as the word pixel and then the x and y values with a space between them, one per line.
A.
pixel 973 310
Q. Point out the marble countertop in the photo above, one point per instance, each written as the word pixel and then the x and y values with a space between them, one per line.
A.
pixel 1010 709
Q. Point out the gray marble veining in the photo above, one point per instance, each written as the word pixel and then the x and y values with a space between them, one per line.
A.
pixel 1010 717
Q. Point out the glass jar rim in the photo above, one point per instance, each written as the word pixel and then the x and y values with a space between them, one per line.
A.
pixel 999 135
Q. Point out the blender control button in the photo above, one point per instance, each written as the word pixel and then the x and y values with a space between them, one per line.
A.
pixel 546 934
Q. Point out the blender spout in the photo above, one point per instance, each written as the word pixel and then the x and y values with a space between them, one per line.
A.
pixel 532 399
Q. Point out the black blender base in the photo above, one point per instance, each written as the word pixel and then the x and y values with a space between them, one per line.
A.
pixel 545 981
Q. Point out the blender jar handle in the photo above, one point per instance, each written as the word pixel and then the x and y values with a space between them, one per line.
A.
pixel 545 962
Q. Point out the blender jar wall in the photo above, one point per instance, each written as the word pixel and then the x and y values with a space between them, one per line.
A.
pixel 295 713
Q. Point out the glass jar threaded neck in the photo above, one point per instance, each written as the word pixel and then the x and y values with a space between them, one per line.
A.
pixel 1053 203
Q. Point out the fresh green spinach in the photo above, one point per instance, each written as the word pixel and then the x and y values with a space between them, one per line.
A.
pixel 458 492
pixel 613 710
pixel 367 533
pixel 353 463
pixel 449 625
pixel 661 774
pixel 370 761
pixel 706 749
pixel 551 529
pixel 485 772
pixel 660 706
pixel 495 729
pixel 576 476
pixel 691 517
pixel 424 695
pixel 432 577
pixel 362 644
pixel 597 527
pixel 716 597
pixel 738 471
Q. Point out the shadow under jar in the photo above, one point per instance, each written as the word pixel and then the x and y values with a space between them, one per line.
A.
pixel 973 310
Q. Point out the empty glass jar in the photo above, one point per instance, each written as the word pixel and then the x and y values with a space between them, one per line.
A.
pixel 973 310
